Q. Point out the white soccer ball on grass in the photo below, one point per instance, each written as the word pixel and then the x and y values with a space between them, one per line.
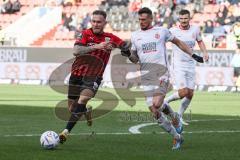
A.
pixel 49 140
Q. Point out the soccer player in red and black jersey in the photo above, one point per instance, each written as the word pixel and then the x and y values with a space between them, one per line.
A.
pixel 92 51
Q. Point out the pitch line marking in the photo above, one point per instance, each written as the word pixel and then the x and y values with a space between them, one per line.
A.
pixel 125 133
pixel 72 134
pixel 209 120
pixel 136 129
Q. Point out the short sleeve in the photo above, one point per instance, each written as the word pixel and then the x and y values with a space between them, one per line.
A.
pixel 81 39
pixel 198 36
pixel 117 41
pixel 168 35
pixel 133 46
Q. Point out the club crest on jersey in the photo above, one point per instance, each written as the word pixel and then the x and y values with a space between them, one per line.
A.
pixel 157 36
pixel 80 36
pixel 107 39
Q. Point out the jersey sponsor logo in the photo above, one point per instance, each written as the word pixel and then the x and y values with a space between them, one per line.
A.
pixel 149 47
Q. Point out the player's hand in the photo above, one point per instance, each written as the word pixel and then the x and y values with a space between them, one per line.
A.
pixel 103 46
pixel 205 57
pixel 125 49
pixel 197 58
pixel 126 53
pixel 109 46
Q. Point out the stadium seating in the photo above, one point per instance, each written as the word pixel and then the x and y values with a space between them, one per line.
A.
pixel 122 19
pixel 63 37
pixel 7 19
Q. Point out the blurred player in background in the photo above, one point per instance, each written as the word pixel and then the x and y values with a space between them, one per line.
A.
pixel 92 50
pixel 235 63
pixel 184 66
pixel 148 47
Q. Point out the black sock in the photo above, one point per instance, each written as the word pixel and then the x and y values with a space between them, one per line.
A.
pixel 166 111
pixel 76 114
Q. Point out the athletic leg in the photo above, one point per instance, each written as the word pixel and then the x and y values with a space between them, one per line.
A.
pixel 78 109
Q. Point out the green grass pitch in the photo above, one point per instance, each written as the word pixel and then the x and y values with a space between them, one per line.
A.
pixel 28 111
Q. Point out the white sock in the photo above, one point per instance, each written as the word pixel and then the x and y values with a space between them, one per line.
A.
pixel 184 105
pixel 165 124
pixel 172 97
pixel 66 131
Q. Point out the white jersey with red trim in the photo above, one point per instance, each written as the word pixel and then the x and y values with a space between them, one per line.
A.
pixel 150 45
pixel 189 36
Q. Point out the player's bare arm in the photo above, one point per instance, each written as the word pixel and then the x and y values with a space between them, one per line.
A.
pixel 182 46
pixel 203 49
pixel 186 49
pixel 80 49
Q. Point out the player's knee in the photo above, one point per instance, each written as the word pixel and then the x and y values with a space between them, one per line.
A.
pixel 183 92
pixel 156 113
pixel 156 104
pixel 84 100
pixel 187 92
pixel 190 94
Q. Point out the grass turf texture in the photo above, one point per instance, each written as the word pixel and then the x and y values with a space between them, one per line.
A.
pixel 30 110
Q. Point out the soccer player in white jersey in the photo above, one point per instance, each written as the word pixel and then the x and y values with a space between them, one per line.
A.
pixel 183 66
pixel 148 48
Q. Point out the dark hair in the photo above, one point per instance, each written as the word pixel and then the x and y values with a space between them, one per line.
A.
pixel 145 10
pixel 100 12
pixel 183 12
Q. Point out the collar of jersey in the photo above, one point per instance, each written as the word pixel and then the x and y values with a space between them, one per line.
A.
pixel 183 28
pixel 148 28
pixel 96 34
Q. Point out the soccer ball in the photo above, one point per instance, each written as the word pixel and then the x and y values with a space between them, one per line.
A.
pixel 49 140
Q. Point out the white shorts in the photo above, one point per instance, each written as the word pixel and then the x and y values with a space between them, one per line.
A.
pixel 150 90
pixel 184 78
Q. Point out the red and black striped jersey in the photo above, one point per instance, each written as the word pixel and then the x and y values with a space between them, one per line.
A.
pixel 93 63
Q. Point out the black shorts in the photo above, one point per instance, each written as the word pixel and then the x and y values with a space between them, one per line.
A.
pixel 236 71
pixel 77 84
